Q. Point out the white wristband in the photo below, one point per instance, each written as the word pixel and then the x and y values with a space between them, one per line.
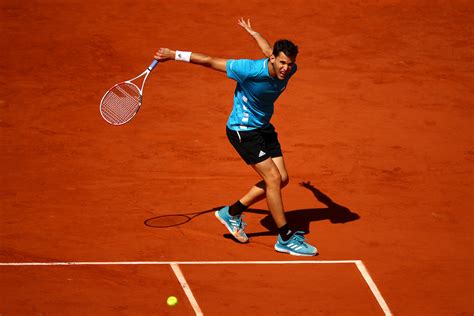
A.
pixel 183 56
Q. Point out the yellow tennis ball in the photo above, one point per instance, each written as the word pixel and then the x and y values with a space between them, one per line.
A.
pixel 172 301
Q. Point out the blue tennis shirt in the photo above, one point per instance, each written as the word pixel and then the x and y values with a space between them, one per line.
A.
pixel 255 93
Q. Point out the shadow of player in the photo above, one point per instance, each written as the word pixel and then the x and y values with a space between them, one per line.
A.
pixel 301 219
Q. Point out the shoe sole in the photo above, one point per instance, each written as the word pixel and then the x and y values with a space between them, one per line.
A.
pixel 284 250
pixel 236 236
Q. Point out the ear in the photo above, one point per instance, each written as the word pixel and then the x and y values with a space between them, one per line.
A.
pixel 272 58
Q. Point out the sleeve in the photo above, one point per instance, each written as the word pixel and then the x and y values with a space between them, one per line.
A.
pixel 239 69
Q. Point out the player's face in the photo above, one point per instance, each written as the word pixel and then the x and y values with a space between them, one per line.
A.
pixel 282 65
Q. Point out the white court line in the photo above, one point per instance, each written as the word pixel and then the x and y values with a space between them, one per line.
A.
pixel 186 289
pixel 174 265
pixel 103 263
pixel 363 270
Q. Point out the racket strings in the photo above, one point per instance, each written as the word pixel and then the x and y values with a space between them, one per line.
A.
pixel 121 103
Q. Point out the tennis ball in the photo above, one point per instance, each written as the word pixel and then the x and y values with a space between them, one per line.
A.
pixel 172 301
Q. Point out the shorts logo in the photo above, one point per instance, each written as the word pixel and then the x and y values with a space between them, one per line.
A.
pixel 261 153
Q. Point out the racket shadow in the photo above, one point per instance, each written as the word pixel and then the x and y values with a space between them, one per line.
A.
pixel 172 220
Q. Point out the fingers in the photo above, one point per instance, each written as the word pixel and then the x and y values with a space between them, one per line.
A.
pixel 158 55
pixel 245 25
pixel 164 54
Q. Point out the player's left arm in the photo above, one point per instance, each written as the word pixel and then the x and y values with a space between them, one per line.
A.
pixel 266 48
pixel 219 64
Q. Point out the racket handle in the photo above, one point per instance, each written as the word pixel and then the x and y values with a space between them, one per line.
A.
pixel 153 65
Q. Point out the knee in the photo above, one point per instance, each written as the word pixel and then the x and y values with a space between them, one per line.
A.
pixel 273 179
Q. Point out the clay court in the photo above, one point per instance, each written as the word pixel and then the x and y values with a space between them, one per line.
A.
pixel 377 122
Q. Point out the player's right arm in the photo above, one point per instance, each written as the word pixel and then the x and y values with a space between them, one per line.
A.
pixel 266 48
pixel 165 54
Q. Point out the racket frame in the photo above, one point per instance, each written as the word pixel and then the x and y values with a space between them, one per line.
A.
pixel 145 73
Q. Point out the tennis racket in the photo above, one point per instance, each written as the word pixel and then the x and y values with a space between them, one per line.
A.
pixel 121 102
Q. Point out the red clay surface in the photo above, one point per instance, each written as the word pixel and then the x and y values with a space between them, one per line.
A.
pixel 378 118
pixel 91 290
pixel 278 290
pixel 143 290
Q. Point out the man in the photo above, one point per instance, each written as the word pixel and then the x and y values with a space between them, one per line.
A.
pixel 259 84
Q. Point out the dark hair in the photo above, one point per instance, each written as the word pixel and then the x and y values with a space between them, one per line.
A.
pixel 285 46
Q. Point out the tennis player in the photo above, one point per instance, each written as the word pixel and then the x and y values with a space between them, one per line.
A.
pixel 259 84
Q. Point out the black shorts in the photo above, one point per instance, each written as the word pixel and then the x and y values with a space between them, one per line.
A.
pixel 256 145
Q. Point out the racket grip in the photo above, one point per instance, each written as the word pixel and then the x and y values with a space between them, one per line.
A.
pixel 153 65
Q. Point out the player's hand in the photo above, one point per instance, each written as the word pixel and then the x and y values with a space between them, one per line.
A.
pixel 247 26
pixel 165 54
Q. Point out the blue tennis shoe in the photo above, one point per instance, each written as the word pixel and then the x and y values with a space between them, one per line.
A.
pixel 234 224
pixel 295 246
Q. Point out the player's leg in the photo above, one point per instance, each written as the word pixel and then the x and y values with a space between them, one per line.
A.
pixel 287 241
pixel 270 145
pixel 234 222
pixel 257 192
pixel 272 179
pixel 269 171
pixel 231 216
